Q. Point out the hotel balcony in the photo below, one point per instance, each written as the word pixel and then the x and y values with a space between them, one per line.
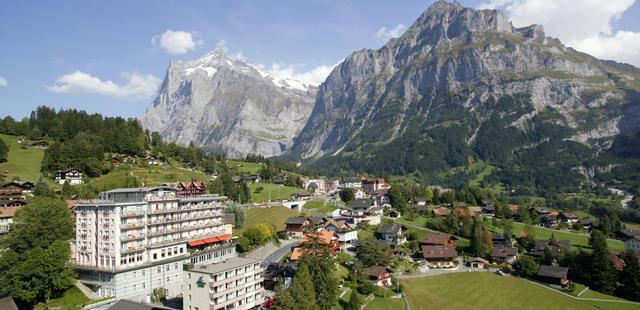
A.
pixel 132 237
pixel 132 213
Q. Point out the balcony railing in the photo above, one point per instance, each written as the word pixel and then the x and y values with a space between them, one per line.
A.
pixel 132 237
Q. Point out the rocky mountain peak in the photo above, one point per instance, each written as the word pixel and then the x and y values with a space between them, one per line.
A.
pixel 226 104
pixel 445 89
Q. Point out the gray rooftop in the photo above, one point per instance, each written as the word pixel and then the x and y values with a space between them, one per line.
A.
pixel 231 263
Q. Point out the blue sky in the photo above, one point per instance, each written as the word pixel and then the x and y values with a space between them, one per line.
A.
pixel 108 56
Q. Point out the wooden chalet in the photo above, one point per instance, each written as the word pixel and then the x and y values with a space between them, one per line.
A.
pixel 440 256
pixel 439 239
pixel 188 189
pixel 379 275
pixel 554 275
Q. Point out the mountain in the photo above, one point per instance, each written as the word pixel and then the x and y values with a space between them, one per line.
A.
pixel 464 86
pixel 225 104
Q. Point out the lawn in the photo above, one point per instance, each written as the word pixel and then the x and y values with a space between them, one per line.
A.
pixel 385 303
pixel 149 176
pixel 271 191
pixel 276 215
pixel 479 290
pixel 318 207
pixel 577 240
pixel 72 299
pixel 244 167
pixel 21 163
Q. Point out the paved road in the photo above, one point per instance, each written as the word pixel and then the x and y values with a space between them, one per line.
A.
pixel 280 252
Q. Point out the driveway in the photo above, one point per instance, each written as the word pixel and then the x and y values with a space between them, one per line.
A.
pixel 271 252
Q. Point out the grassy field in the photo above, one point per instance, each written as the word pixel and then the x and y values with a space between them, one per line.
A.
pixel 318 207
pixel 275 215
pixel 150 176
pixel 386 303
pixel 273 191
pixel 479 290
pixel 22 163
pixel 244 167
pixel 577 240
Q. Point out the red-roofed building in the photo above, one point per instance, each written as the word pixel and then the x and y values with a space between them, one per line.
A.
pixel 187 189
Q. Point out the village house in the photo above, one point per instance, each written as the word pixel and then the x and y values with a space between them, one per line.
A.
pixel 555 249
pixel 359 193
pixel 346 233
pixel 252 178
pixel 441 211
pixel 554 275
pixel 6 218
pixel 632 244
pixel 542 211
pixel 478 263
pixel 71 175
pixel 15 190
pixel 276 273
pixel 439 239
pixel 317 222
pixel 548 220
pixel 381 196
pixel 440 256
pixel 379 275
pixel 303 196
pixel 392 233
pixel 371 185
pixel 488 208
pixel 617 261
pixel 422 210
pixel 364 211
pixel 499 239
pixel 588 224
pixel 353 182
pixel 295 225
pixel 188 189
pixel 13 202
pixel 328 238
pixel 514 209
pixel 316 186
pixel 40 144
pixel 152 161
pixel 569 217
pixel 419 201
pixel 501 254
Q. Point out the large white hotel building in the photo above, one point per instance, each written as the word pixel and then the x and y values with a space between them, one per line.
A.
pixel 132 241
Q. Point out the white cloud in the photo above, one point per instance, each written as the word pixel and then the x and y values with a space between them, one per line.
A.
pixel 222 45
pixel 583 25
pixel 3 81
pixel 177 42
pixel 138 86
pixel 314 76
pixel 385 34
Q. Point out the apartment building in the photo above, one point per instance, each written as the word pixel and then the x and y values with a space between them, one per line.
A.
pixel 132 241
pixel 236 283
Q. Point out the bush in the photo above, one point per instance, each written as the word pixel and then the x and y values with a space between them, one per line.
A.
pixel 366 287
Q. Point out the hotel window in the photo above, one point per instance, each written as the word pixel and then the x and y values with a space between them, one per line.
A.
pixel 155 255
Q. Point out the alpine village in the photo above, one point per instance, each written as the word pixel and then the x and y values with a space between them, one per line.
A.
pixel 466 164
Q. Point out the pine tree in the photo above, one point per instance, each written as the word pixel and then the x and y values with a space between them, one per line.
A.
pixel 284 300
pixel 321 268
pixel 41 188
pixel 603 274
pixel 302 289
pixel 630 277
